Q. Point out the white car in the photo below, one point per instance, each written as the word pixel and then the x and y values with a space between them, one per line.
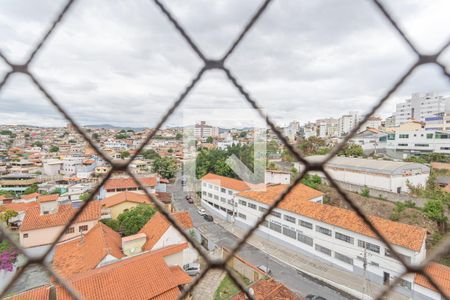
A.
pixel 192 269
pixel 201 211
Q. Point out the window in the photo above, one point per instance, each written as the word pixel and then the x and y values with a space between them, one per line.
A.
pixel 83 228
pixel 369 246
pixel 216 197
pixel 275 214
pixel 70 230
pixel 445 148
pixel 251 205
pixel 343 258
pixel 242 216
pixel 429 135
pixel 306 224
pixel 222 190
pixel 289 232
pixel 403 136
pixel 403 145
pixel 210 186
pixel 265 223
pixel 372 263
pixel 263 209
pixel 323 230
pixel 230 192
pixel 216 188
pixel 304 239
pixel 405 283
pixel 405 257
pixel 209 195
pixel 204 184
pixel 290 219
pixel 25 235
pixel 422 145
pixel 323 250
pixel 204 193
pixel 391 136
pixel 275 227
pixel 222 199
pixel 242 202
pixel 343 237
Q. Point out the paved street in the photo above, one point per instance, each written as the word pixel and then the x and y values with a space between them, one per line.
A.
pixel 280 271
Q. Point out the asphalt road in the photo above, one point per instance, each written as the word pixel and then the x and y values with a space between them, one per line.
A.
pixel 280 271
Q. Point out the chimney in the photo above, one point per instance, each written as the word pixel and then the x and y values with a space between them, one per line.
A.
pixel 133 244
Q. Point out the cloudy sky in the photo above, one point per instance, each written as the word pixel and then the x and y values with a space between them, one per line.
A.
pixel 122 62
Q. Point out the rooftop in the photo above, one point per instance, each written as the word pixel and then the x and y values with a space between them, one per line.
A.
pixel 118 183
pixel 125 197
pixel 229 183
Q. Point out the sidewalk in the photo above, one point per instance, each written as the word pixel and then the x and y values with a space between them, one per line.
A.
pixel 320 270
pixel 207 287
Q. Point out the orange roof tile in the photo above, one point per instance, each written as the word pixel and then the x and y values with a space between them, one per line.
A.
pixel 48 198
pixel 269 289
pixel 158 225
pixel 18 206
pixel 85 253
pixel 144 276
pixel 39 293
pixel 125 197
pixel 408 236
pixel 229 183
pixel 164 197
pixel 34 220
pixel 440 274
pixel 121 183
pixel 30 196
pixel 179 275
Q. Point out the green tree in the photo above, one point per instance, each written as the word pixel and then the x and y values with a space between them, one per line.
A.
pixel 53 149
pixel 165 166
pixel 121 136
pixel 313 146
pixel 85 196
pixel 7 194
pixel 150 154
pixel 124 154
pixel 210 139
pixel 31 189
pixel 352 150
pixel 243 134
pixel 8 214
pixel 96 136
pixel 58 191
pixel 312 181
pixel 133 220
pixel 179 136
pixel 434 209
pixel 37 144
pixel 111 223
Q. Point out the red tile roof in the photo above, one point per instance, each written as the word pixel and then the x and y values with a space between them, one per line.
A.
pixel 84 254
pixel 30 196
pixel 229 183
pixel 158 225
pixel 164 197
pixel 125 197
pixel 121 183
pixel 440 274
pixel 18 206
pixel 34 220
pixel 144 276
pixel 48 198
pixel 407 236
pixel 269 289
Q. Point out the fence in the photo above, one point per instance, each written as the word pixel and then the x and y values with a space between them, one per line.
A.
pixel 219 64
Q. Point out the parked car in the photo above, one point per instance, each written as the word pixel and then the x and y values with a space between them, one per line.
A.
pixel 192 269
pixel 208 218
pixel 314 297
pixel 201 211
pixel 265 269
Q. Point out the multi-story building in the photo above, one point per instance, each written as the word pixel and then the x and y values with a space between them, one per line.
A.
pixel 372 122
pixel 419 107
pixel 203 130
pixel 419 141
pixel 347 122
pixel 326 233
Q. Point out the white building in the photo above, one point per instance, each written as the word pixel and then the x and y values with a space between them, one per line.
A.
pixel 325 232
pixel 203 130
pixel 383 175
pixel 372 122
pixel 371 140
pixel 347 122
pixel 419 141
pixel 52 167
pixel 277 177
pixel 419 107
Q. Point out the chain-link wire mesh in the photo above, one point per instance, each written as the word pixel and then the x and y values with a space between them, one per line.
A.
pixel 208 64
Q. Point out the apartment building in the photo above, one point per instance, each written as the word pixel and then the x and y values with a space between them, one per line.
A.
pixel 203 130
pixel 419 107
pixel 324 232
pixel 347 122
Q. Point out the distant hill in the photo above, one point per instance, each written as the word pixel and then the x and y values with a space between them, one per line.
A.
pixel 109 126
